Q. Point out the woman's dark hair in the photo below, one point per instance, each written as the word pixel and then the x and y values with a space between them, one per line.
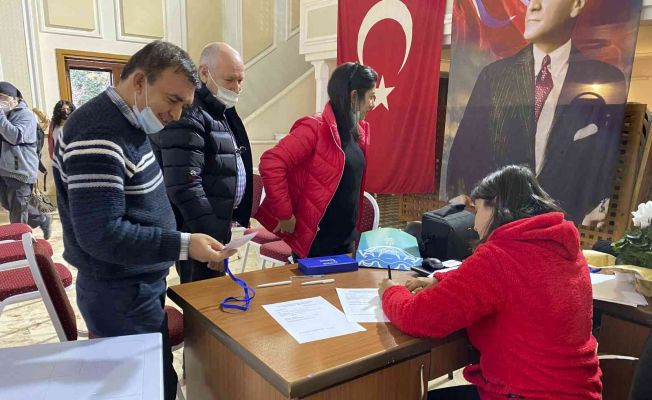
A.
pixel 514 193
pixel 345 79
pixel 58 114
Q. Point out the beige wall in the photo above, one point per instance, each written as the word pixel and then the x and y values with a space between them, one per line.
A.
pixel 75 14
pixel 143 18
pixel 640 88
pixel 322 22
pixel 257 27
pixel 295 14
pixel 203 19
pixel 279 114
pixel 13 48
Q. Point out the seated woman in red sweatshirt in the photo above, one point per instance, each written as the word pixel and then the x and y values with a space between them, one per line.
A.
pixel 524 297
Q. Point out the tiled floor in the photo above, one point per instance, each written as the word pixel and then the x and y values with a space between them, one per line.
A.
pixel 28 323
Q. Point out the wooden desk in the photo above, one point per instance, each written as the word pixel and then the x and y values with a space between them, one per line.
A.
pixel 623 331
pixel 248 355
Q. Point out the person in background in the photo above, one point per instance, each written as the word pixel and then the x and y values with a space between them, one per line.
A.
pixel 118 227
pixel 62 111
pixel 314 177
pixel 19 160
pixel 206 158
pixel 524 297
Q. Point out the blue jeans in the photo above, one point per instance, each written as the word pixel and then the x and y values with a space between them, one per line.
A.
pixel 128 307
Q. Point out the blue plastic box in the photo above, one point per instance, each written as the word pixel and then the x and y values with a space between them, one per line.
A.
pixel 327 265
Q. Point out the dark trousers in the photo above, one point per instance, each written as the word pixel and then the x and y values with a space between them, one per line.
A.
pixel 464 392
pixel 14 197
pixel 192 271
pixel 324 245
pixel 128 307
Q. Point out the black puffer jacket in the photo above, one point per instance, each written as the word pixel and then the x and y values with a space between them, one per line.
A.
pixel 198 160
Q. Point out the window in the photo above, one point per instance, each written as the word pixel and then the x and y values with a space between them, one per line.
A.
pixel 88 83
pixel 84 75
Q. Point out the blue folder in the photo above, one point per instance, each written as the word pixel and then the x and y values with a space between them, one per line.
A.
pixel 327 265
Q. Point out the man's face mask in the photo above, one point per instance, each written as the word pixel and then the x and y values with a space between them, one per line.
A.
pixel 146 118
pixel 227 97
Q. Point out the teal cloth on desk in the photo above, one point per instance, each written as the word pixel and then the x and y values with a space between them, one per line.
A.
pixel 388 246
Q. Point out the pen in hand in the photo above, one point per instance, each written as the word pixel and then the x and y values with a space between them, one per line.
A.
pixel 389 272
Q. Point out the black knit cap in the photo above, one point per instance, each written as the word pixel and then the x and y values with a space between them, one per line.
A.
pixel 8 89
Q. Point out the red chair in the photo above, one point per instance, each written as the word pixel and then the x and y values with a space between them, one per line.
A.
pixel 12 254
pixel 17 281
pixel 275 252
pixel 56 301
pixel 370 217
pixel 278 252
pixel 13 231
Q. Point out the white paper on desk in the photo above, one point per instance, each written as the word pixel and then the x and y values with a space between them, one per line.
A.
pixel 238 242
pixel 451 263
pixel 361 305
pixel 608 289
pixel 311 319
pixel 599 278
pixel 443 270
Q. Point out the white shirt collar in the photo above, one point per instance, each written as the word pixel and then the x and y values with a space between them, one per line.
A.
pixel 558 58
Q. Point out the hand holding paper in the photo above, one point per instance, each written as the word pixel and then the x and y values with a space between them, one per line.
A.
pixel 238 242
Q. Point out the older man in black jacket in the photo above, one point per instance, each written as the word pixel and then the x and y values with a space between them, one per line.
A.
pixel 206 158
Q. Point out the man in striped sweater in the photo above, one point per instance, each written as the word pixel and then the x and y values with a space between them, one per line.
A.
pixel 119 229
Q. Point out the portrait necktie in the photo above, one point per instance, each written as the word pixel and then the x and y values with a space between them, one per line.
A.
pixel 543 87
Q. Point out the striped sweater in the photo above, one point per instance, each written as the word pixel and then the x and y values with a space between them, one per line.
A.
pixel 117 221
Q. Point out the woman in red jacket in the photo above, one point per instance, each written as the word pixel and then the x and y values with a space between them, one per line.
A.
pixel 314 177
pixel 524 297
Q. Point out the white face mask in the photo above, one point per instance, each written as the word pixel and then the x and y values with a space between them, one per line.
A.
pixel 6 107
pixel 146 118
pixel 227 97
pixel 356 114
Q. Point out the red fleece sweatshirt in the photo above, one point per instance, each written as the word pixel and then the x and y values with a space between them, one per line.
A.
pixel 524 297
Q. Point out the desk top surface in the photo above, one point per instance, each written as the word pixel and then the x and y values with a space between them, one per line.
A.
pixel 297 369
pixel 640 315
pixel 118 368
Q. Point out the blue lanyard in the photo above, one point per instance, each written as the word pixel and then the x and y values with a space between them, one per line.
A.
pixel 249 293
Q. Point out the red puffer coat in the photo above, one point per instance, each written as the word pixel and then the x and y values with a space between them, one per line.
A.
pixel 301 175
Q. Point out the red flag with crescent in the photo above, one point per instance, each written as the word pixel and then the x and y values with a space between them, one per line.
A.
pixel 402 41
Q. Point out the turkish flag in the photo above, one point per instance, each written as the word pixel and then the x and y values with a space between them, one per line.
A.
pixel 402 41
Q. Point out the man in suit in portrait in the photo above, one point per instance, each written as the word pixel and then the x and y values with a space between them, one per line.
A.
pixel 548 107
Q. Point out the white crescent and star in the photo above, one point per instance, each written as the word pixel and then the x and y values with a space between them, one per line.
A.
pixel 386 9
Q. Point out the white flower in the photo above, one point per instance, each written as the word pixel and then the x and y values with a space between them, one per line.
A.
pixel 643 215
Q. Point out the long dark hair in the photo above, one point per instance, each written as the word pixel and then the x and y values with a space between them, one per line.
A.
pixel 345 79
pixel 513 192
pixel 58 115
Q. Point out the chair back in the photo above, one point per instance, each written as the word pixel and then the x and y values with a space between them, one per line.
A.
pixel 257 193
pixel 370 213
pixel 49 284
